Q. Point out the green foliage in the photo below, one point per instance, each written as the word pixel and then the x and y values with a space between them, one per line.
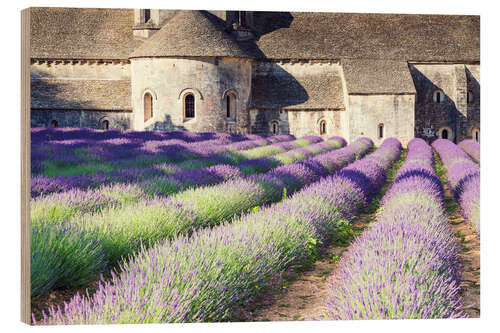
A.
pixel 440 169
pixel 313 246
pixel 63 258
pixel 343 234
pixel 59 168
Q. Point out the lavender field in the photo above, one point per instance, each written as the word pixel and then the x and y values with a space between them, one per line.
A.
pixel 150 227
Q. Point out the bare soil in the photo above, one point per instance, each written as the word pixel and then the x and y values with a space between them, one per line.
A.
pixel 469 254
pixel 303 294
pixel 57 298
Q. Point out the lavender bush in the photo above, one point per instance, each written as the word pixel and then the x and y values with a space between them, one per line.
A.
pixel 66 152
pixel 472 148
pixel 204 277
pixel 464 177
pixel 122 229
pixel 186 160
pixel 156 182
pixel 405 266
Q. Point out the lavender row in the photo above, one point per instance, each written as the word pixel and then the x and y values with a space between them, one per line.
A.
pixel 62 206
pixel 185 158
pixel 209 275
pixel 472 148
pixel 44 134
pixel 69 157
pixel 47 155
pixel 406 266
pixel 464 177
pixel 117 231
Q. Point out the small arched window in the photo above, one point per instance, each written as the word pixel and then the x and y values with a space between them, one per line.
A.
pixel 470 97
pixel 322 127
pixel 230 106
pixel 189 106
pixel 147 15
pixel 243 18
pixel 439 96
pixel 475 135
pixel 380 131
pixel 148 106
pixel 105 124
pixel 53 123
pixel 274 127
pixel 444 134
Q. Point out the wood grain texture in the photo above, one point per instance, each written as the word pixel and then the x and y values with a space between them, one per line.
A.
pixel 25 167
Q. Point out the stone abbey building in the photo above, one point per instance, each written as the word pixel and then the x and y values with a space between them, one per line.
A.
pixel 375 75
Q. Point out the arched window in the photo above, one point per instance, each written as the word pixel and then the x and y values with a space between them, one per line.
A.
pixel 53 123
pixel 439 96
pixel 242 18
pixel 380 131
pixel 444 134
pixel 322 127
pixel 147 15
pixel 148 106
pixel 230 106
pixel 470 97
pixel 274 127
pixel 189 106
pixel 475 135
pixel 105 124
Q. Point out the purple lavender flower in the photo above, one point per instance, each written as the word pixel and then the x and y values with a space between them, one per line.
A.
pixel 464 177
pixel 204 277
pixel 405 266
pixel 472 148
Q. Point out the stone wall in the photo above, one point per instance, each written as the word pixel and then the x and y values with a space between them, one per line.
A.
pixel 81 70
pixel 81 118
pixel 396 113
pixel 452 113
pixel 299 122
pixel 474 106
pixel 69 93
pixel 208 79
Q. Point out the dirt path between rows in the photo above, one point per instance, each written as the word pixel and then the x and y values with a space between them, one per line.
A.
pixel 303 294
pixel 57 298
pixel 469 255
pixel 303 298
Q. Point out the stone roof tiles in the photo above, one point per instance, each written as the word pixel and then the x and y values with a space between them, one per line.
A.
pixel 368 76
pixel 279 89
pixel 82 33
pixel 450 38
pixel 71 94
pixel 92 33
pixel 192 33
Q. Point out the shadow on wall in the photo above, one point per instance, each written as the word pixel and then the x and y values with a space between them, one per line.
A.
pixel 267 22
pixel 430 116
pixel 65 105
pixel 46 94
pixel 474 106
pixel 165 125
pixel 275 89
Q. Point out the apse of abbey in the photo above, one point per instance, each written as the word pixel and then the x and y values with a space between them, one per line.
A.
pixel 328 74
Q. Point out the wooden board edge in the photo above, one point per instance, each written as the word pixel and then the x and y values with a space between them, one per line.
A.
pixel 25 166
